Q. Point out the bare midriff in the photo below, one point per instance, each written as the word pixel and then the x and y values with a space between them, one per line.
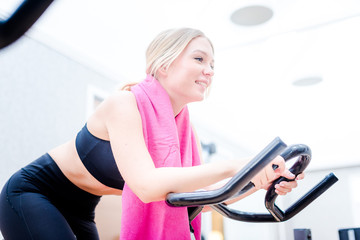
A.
pixel 69 162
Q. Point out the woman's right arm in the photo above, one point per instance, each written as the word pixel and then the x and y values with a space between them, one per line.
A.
pixel 124 125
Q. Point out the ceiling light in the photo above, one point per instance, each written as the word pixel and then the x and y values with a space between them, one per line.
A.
pixel 251 15
pixel 307 81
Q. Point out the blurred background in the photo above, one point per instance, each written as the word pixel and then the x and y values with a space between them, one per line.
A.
pixel 282 68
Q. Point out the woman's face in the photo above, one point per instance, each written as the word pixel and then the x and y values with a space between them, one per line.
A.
pixel 188 77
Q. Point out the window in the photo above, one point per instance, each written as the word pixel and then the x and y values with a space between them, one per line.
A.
pixel 95 96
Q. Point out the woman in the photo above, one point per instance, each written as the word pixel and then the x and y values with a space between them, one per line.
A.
pixel 141 137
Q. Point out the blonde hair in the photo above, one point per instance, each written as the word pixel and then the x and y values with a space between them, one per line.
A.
pixel 166 47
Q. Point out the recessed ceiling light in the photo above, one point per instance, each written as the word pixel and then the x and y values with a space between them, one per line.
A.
pixel 307 81
pixel 251 15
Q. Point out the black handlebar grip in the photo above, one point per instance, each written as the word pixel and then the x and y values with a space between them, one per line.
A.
pixel 276 214
pixel 303 153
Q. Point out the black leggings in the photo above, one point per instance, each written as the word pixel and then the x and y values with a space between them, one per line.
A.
pixel 38 202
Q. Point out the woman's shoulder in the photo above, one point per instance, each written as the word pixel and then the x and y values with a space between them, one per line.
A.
pixel 121 100
pixel 119 104
pixel 122 96
pixel 118 109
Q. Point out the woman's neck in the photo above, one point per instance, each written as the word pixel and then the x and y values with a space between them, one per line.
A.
pixel 176 103
pixel 176 106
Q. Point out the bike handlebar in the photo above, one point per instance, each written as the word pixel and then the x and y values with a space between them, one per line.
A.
pixel 236 183
pixel 303 153
pixel 240 184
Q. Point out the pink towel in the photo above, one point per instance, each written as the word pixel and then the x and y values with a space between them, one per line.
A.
pixel 171 143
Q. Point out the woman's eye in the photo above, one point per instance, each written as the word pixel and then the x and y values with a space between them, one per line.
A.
pixel 200 59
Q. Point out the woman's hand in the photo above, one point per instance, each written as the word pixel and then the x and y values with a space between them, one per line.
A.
pixel 285 187
pixel 264 179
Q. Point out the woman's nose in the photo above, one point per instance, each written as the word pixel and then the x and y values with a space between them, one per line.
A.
pixel 208 71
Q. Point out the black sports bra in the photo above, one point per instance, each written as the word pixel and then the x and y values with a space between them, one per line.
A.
pixel 97 157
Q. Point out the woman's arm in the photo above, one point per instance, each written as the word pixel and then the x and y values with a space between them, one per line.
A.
pixel 123 122
pixel 282 188
pixel 262 180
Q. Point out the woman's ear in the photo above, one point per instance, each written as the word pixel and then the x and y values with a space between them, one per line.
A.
pixel 162 71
